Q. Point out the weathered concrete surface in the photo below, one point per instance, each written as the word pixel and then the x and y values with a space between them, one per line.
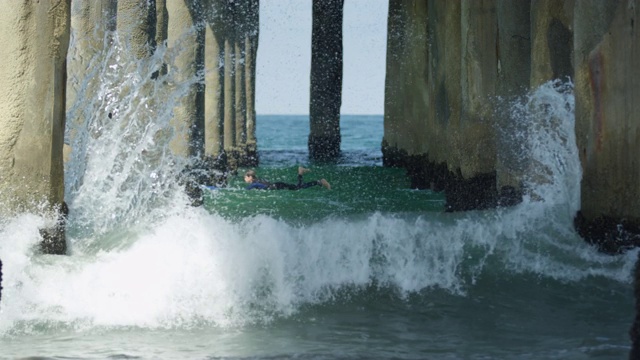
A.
pixel 214 83
pixel 453 69
pixel 229 33
pixel 230 53
pixel 187 39
pixel 479 83
pixel 607 89
pixel 405 83
pixel 34 42
pixel 326 80
pixel 89 22
pixel 252 29
pixel 161 21
pixel 246 17
pixel 162 29
pixel 442 74
pixel 445 60
pixel 514 69
pixel 422 88
pixel 240 87
pixel 552 40
pixel 136 25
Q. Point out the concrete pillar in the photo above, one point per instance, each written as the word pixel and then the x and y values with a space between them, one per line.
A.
pixel 473 184
pixel 136 25
pixel 214 81
pixel 90 22
pixel 447 62
pixel 162 28
pixel 514 72
pixel 231 44
pixel 326 80
pixel 607 93
pixel 391 154
pixel 246 42
pixel 187 39
pixel 447 86
pixel 34 39
pixel 479 82
pixel 230 85
pixel 241 95
pixel 406 104
pixel 514 47
pixel 551 40
pixel 251 52
pixel 162 21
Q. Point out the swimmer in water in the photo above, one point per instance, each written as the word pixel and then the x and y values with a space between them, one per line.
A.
pixel 260 184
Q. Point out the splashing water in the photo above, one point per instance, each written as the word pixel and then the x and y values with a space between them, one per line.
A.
pixel 143 259
pixel 122 169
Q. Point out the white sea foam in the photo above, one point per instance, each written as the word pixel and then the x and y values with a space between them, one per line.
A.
pixel 196 267
pixel 141 257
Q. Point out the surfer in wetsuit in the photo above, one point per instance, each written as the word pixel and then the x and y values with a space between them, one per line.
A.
pixel 255 183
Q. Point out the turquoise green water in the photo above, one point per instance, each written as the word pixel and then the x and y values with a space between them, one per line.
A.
pixel 355 191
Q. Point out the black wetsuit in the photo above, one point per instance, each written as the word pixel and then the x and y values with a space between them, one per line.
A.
pixel 264 185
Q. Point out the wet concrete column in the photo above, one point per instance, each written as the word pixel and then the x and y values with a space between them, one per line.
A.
pixel 162 22
pixel 444 97
pixel 551 41
pixel 326 80
pixel 392 155
pixel 239 77
pixel 422 90
pixel 607 93
pixel 449 90
pixel 90 23
pixel 474 184
pixel 35 39
pixel 162 28
pixel 514 72
pixel 251 52
pixel 230 86
pixel 214 77
pixel 479 81
pixel 187 39
pixel 136 25
pixel 408 93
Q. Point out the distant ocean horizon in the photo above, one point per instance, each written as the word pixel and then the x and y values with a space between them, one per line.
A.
pixel 361 139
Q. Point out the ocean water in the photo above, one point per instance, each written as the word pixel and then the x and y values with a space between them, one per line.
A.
pixel 368 270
